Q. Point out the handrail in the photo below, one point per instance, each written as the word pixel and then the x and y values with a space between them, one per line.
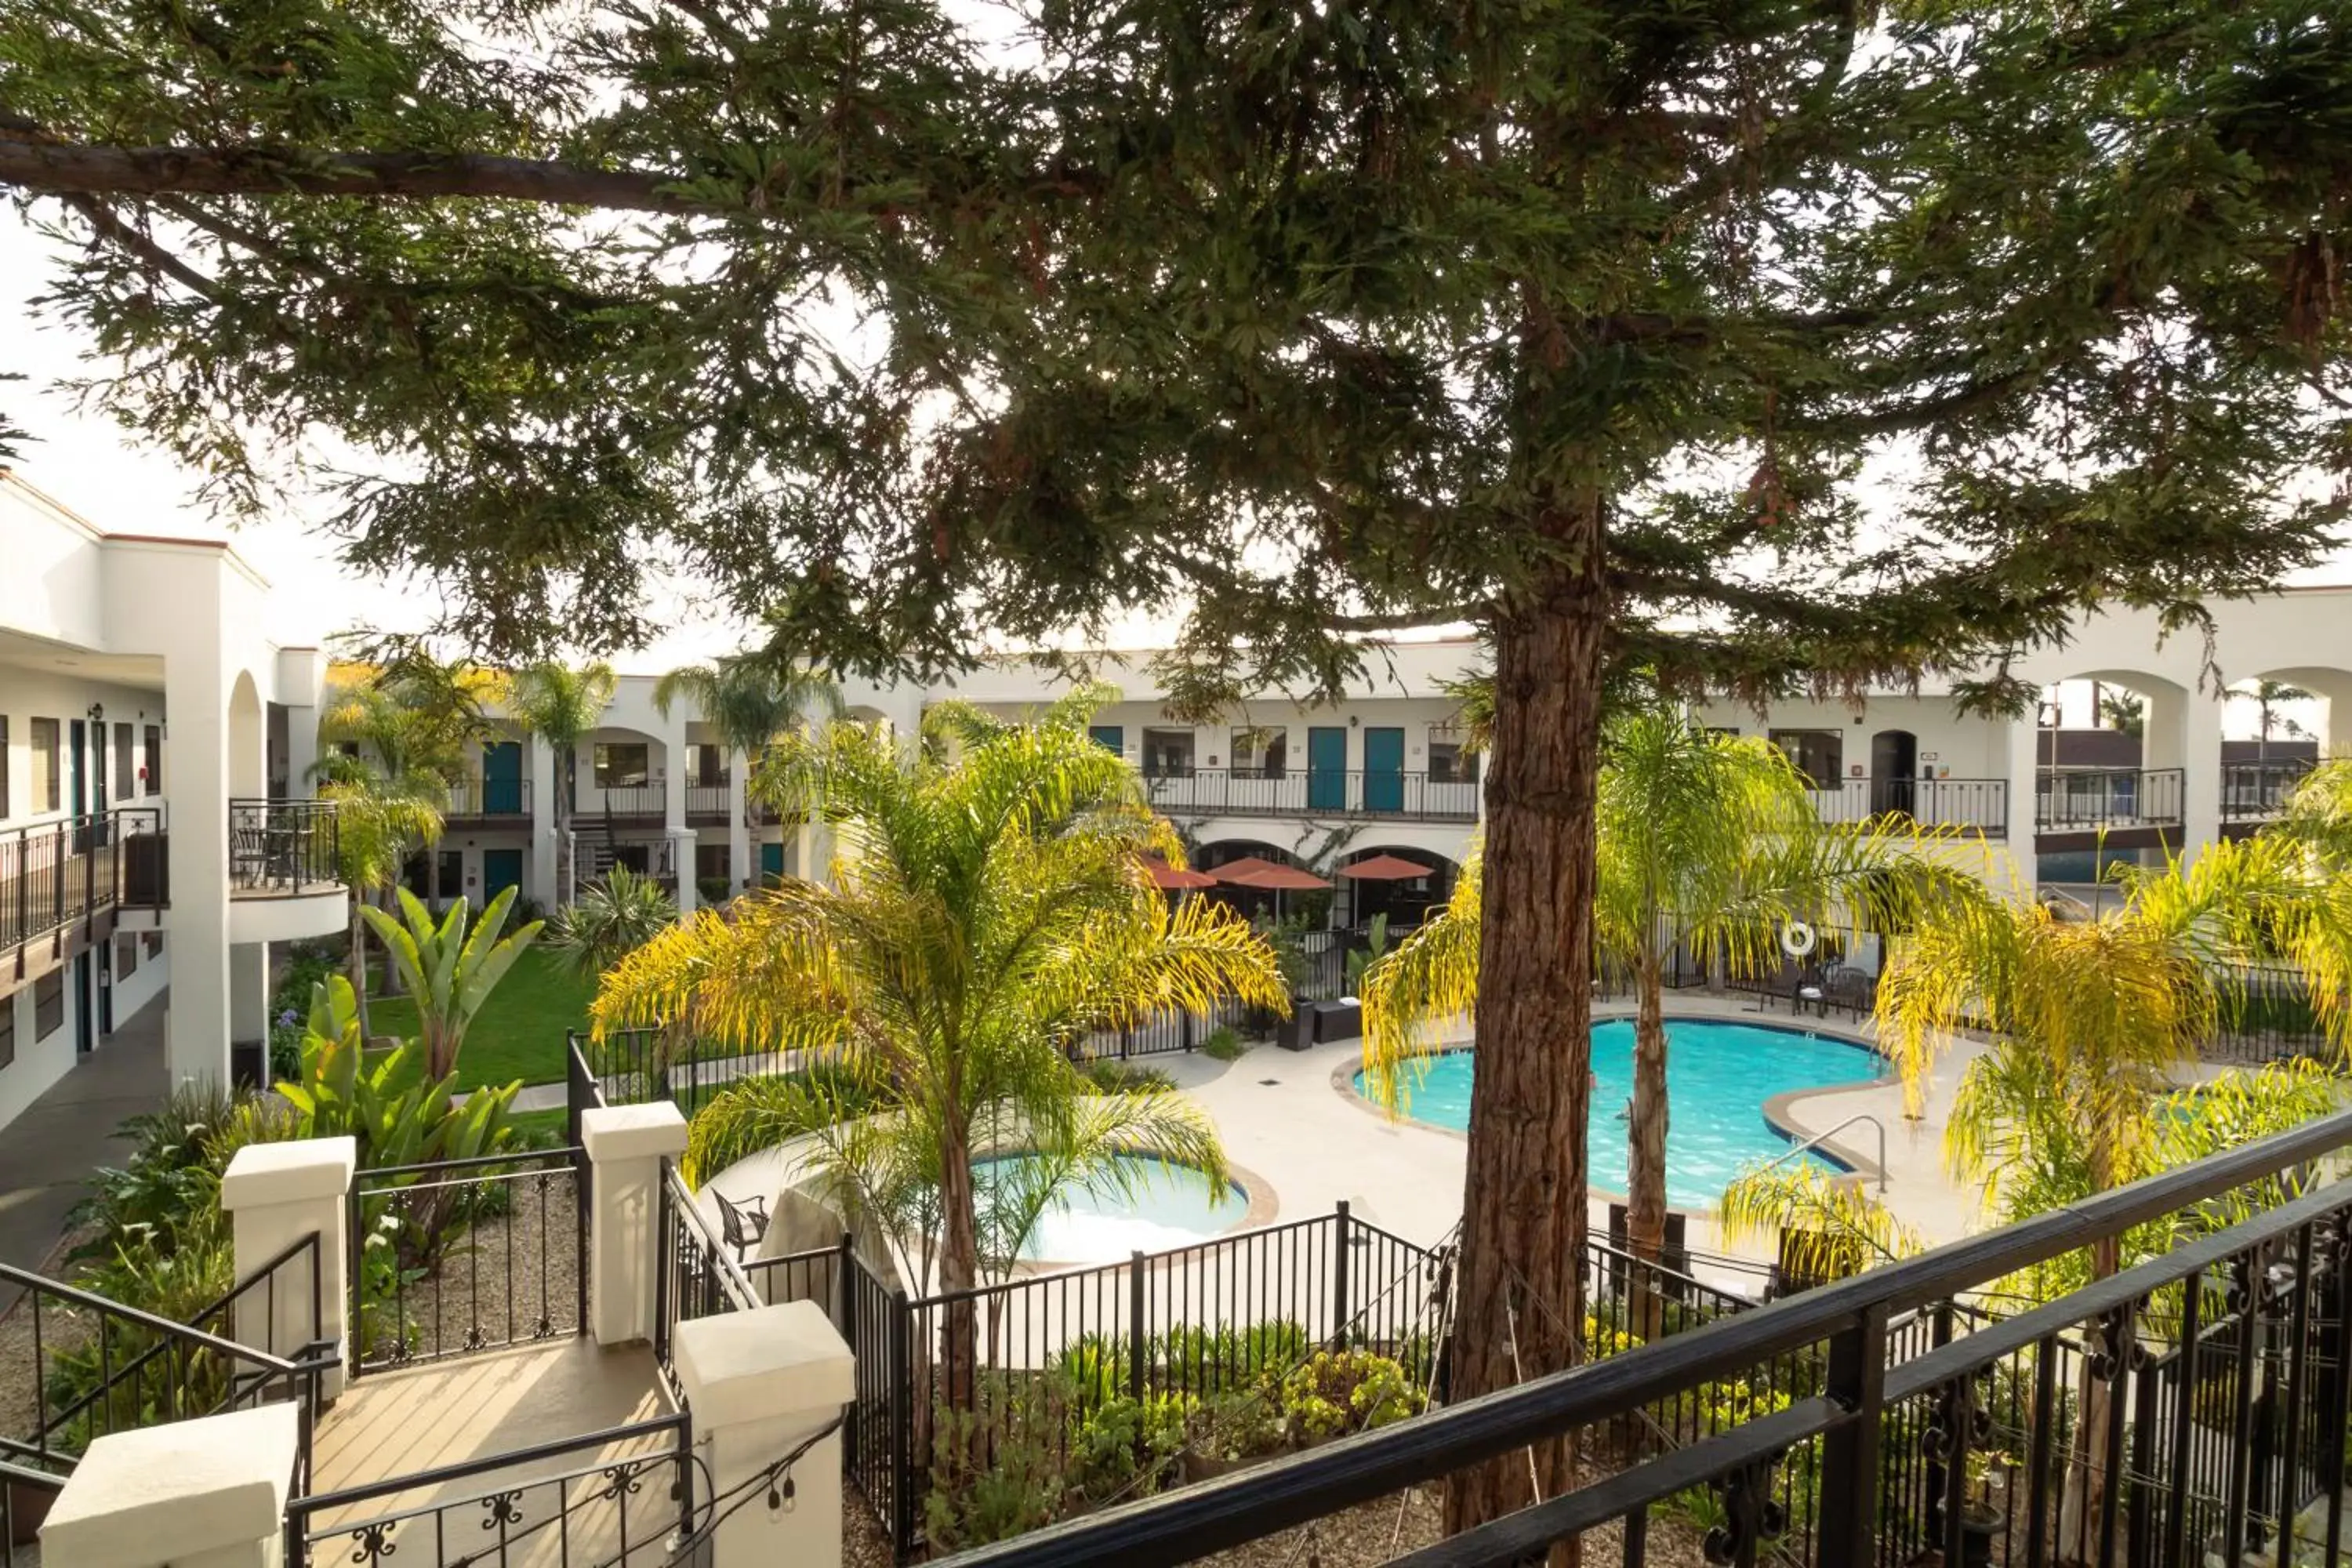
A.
pixel 731 1278
pixel 1817 1138
pixel 1221 1513
pixel 11 1274
pixel 487 1464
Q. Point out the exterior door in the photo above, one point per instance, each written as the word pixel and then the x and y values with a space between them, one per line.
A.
pixel 1893 771
pixel 77 777
pixel 501 869
pixel 1110 737
pixel 502 779
pixel 105 950
pixel 1326 769
pixel 85 1015
pixel 772 859
pixel 1384 769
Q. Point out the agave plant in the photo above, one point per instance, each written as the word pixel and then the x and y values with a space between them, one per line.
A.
pixel 612 918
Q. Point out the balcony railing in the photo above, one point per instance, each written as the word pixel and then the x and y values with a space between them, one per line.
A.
pixel 2073 799
pixel 489 800
pixel 637 800
pixel 2253 792
pixel 54 875
pixel 1221 791
pixel 1980 806
pixel 282 848
pixel 707 802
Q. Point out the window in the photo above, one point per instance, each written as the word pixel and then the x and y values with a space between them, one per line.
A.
pixel 154 759
pixel 703 766
pixel 1449 762
pixel 126 765
pixel 8 1030
pixel 48 1001
pixel 126 956
pixel 1261 754
pixel 1167 753
pixel 622 764
pixel 45 766
pixel 416 872
pixel 1819 754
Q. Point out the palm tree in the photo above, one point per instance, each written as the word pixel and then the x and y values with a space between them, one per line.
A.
pixel 379 822
pixel 561 705
pixel 1705 841
pixel 2124 711
pixel 993 912
pixel 2317 815
pixel 2266 696
pixel 749 700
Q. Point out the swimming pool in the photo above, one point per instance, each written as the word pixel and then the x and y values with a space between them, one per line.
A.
pixel 1719 1077
pixel 1167 1204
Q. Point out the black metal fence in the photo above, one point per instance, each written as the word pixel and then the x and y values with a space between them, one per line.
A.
pixel 54 875
pixel 490 802
pixel 460 1256
pixel 1220 792
pixel 2059 1432
pixel 619 1497
pixel 2267 1015
pixel 2068 799
pixel 2256 792
pixel 1978 805
pixel 695 1275
pixel 287 847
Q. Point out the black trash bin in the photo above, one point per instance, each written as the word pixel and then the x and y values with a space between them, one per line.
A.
pixel 1297 1032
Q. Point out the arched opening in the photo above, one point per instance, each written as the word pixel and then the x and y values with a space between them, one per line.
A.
pixel 1893 772
pixel 249 742
pixel 1260 904
pixel 1387 890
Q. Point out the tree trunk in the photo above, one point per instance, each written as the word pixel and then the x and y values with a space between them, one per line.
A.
pixel 1645 1165
pixel 358 962
pixel 1521 1308
pixel 959 1263
pixel 2083 1496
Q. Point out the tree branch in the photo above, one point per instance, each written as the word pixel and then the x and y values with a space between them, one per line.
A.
pixel 62 168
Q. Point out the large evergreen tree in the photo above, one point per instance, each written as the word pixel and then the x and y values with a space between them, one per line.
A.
pixel 1758 343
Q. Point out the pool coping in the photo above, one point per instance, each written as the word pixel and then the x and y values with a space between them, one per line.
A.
pixel 1261 1205
pixel 1777 1111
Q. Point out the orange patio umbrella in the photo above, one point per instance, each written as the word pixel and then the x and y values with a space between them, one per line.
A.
pixel 1240 871
pixel 1384 869
pixel 1169 878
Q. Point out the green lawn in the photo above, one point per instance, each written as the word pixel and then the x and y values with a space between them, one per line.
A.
pixel 519 1033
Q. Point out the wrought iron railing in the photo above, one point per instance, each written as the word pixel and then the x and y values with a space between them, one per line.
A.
pixel 2075 799
pixel 694 1273
pixel 2037 1437
pixel 1979 805
pixel 282 847
pixel 2254 792
pixel 54 875
pixel 621 1498
pixel 1221 791
pixel 707 803
pixel 633 801
pixel 460 1256
pixel 489 800
pixel 89 1366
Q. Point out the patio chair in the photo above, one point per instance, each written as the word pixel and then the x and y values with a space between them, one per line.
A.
pixel 249 859
pixel 743 1224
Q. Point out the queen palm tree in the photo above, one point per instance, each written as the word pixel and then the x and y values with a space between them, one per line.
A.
pixel 749 700
pixel 561 705
pixel 993 912
pixel 2266 696
pixel 1705 841
pixel 379 822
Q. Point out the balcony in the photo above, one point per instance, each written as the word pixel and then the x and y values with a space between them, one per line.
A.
pixel 284 880
pixel 2128 807
pixel 706 804
pixel 62 881
pixel 1975 805
pixel 489 802
pixel 641 804
pixel 1221 791
pixel 2252 793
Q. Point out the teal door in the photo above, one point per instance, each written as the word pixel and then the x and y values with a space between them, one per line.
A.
pixel 501 869
pixel 502 779
pixel 1383 770
pixel 772 859
pixel 1327 770
pixel 1110 737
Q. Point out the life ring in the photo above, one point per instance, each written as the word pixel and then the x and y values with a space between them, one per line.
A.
pixel 1797 939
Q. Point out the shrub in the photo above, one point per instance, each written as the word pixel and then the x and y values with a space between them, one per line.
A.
pixel 713 889
pixel 1111 1076
pixel 1015 1486
pixel 1223 1045
pixel 1126 1447
pixel 1240 1423
pixel 1207 1359
pixel 1335 1392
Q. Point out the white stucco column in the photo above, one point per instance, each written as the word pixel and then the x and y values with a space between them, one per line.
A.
pixel 207 1493
pixel 673 740
pixel 761 1384
pixel 626 1145
pixel 682 856
pixel 248 997
pixel 742 860
pixel 546 780
pixel 277 1194
pixel 2024 735
pixel 196 776
pixel 2200 774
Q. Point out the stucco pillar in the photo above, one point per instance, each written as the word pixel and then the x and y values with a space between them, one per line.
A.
pixel 673 740
pixel 206 1493
pixel 682 841
pixel 761 1384
pixel 626 1145
pixel 248 999
pixel 197 778
pixel 546 783
pixel 2025 738
pixel 742 864
pixel 274 1194
pixel 2200 782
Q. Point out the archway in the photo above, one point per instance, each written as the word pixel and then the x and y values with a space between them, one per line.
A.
pixel 249 742
pixel 1257 903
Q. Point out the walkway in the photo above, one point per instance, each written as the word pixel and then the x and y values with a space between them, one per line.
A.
pixel 49 1153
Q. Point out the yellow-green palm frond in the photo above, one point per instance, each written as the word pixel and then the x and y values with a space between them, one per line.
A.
pixel 1829 1218
pixel 768 975
pixel 1430 974
pixel 1086 1140
pixel 2317 815
pixel 1123 968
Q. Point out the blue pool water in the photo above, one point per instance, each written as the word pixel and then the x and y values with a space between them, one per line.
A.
pixel 1719 1075
pixel 1165 1204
